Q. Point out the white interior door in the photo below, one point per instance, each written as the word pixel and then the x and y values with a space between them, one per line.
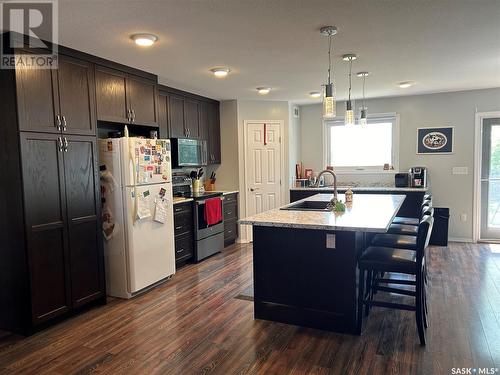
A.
pixel 263 166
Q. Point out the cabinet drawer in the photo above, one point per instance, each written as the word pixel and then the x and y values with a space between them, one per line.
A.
pixel 183 224
pixel 183 207
pixel 230 211
pixel 183 247
pixel 231 198
pixel 230 230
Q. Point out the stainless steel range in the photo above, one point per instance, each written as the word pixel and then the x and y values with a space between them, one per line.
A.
pixel 209 239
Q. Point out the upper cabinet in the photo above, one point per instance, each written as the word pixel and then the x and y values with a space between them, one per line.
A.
pixel 192 117
pixel 75 80
pixel 125 98
pixel 180 116
pixel 57 100
pixel 176 116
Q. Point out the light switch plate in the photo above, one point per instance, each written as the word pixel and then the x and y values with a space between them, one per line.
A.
pixel 330 241
pixel 459 170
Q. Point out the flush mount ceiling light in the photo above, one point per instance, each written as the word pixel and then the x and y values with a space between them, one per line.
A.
pixel 349 113
pixel 363 110
pixel 405 84
pixel 220 72
pixel 144 40
pixel 329 106
pixel 315 94
pixel 263 90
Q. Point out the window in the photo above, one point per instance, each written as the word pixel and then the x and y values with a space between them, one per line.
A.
pixel 362 148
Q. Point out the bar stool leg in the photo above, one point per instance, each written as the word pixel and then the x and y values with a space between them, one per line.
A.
pixel 361 296
pixel 419 309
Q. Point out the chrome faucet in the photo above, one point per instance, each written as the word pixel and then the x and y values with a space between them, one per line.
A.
pixel 334 183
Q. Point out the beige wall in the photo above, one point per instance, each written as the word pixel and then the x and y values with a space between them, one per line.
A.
pixel 444 109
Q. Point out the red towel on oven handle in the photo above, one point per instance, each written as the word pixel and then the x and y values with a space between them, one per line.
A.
pixel 213 211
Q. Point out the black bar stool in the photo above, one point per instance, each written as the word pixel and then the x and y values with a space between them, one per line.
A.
pixel 381 260
pixel 408 229
pixel 412 220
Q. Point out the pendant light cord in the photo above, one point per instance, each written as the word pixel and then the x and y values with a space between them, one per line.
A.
pixel 329 58
pixel 364 80
pixel 350 80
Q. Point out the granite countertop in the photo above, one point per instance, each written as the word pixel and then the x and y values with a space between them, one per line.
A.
pixel 368 213
pixel 365 188
pixel 227 192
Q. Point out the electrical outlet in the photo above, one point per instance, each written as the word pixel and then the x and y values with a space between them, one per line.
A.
pixel 463 217
pixel 459 170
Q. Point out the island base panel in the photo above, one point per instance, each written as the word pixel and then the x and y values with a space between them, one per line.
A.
pixel 299 280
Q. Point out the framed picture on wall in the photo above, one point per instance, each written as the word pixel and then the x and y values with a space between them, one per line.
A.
pixel 437 140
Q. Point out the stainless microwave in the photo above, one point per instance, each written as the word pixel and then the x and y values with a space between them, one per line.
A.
pixel 188 152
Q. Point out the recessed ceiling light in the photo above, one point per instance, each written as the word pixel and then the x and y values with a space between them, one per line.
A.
pixel 315 94
pixel 263 90
pixel 144 40
pixel 220 72
pixel 405 84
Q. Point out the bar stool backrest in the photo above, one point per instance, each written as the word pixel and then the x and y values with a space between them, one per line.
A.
pixel 423 236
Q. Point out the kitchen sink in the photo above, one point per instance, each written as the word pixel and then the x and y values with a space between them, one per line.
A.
pixel 309 206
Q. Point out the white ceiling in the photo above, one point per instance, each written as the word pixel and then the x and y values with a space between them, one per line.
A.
pixel 442 45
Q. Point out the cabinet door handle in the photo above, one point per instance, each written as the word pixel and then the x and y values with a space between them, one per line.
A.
pixel 58 122
pixel 180 227
pixel 64 123
pixel 178 210
pixel 128 115
pixel 179 251
pixel 60 144
pixel 133 115
pixel 65 144
pixel 229 212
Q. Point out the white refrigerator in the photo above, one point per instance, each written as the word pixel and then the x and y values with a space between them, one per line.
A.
pixel 138 221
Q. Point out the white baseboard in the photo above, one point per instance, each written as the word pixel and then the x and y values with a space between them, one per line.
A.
pixel 460 239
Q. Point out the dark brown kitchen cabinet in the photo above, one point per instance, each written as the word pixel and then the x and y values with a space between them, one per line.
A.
pixel 183 229
pixel 230 218
pixel 142 101
pixel 111 100
pixel 64 245
pixel 83 221
pixel 57 100
pixel 46 229
pixel 125 98
pixel 163 115
pixel 76 85
pixel 214 145
pixel 37 100
pixel 176 116
pixel 192 118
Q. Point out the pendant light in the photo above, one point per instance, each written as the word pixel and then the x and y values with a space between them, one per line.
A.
pixel 363 113
pixel 329 105
pixel 349 113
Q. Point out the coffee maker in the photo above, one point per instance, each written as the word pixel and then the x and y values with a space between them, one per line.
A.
pixel 418 176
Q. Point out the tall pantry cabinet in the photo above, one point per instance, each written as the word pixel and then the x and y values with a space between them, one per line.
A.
pixel 51 248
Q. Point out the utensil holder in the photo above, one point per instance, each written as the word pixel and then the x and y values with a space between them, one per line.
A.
pixel 196 186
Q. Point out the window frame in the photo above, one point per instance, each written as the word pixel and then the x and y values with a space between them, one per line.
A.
pixel 375 118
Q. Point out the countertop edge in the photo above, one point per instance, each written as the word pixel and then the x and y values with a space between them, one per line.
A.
pixel 323 227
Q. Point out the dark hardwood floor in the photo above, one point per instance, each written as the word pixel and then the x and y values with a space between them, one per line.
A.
pixel 194 324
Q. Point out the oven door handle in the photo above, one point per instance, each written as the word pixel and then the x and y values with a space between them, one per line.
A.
pixel 199 203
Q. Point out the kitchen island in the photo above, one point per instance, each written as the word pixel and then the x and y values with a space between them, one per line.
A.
pixel 305 261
